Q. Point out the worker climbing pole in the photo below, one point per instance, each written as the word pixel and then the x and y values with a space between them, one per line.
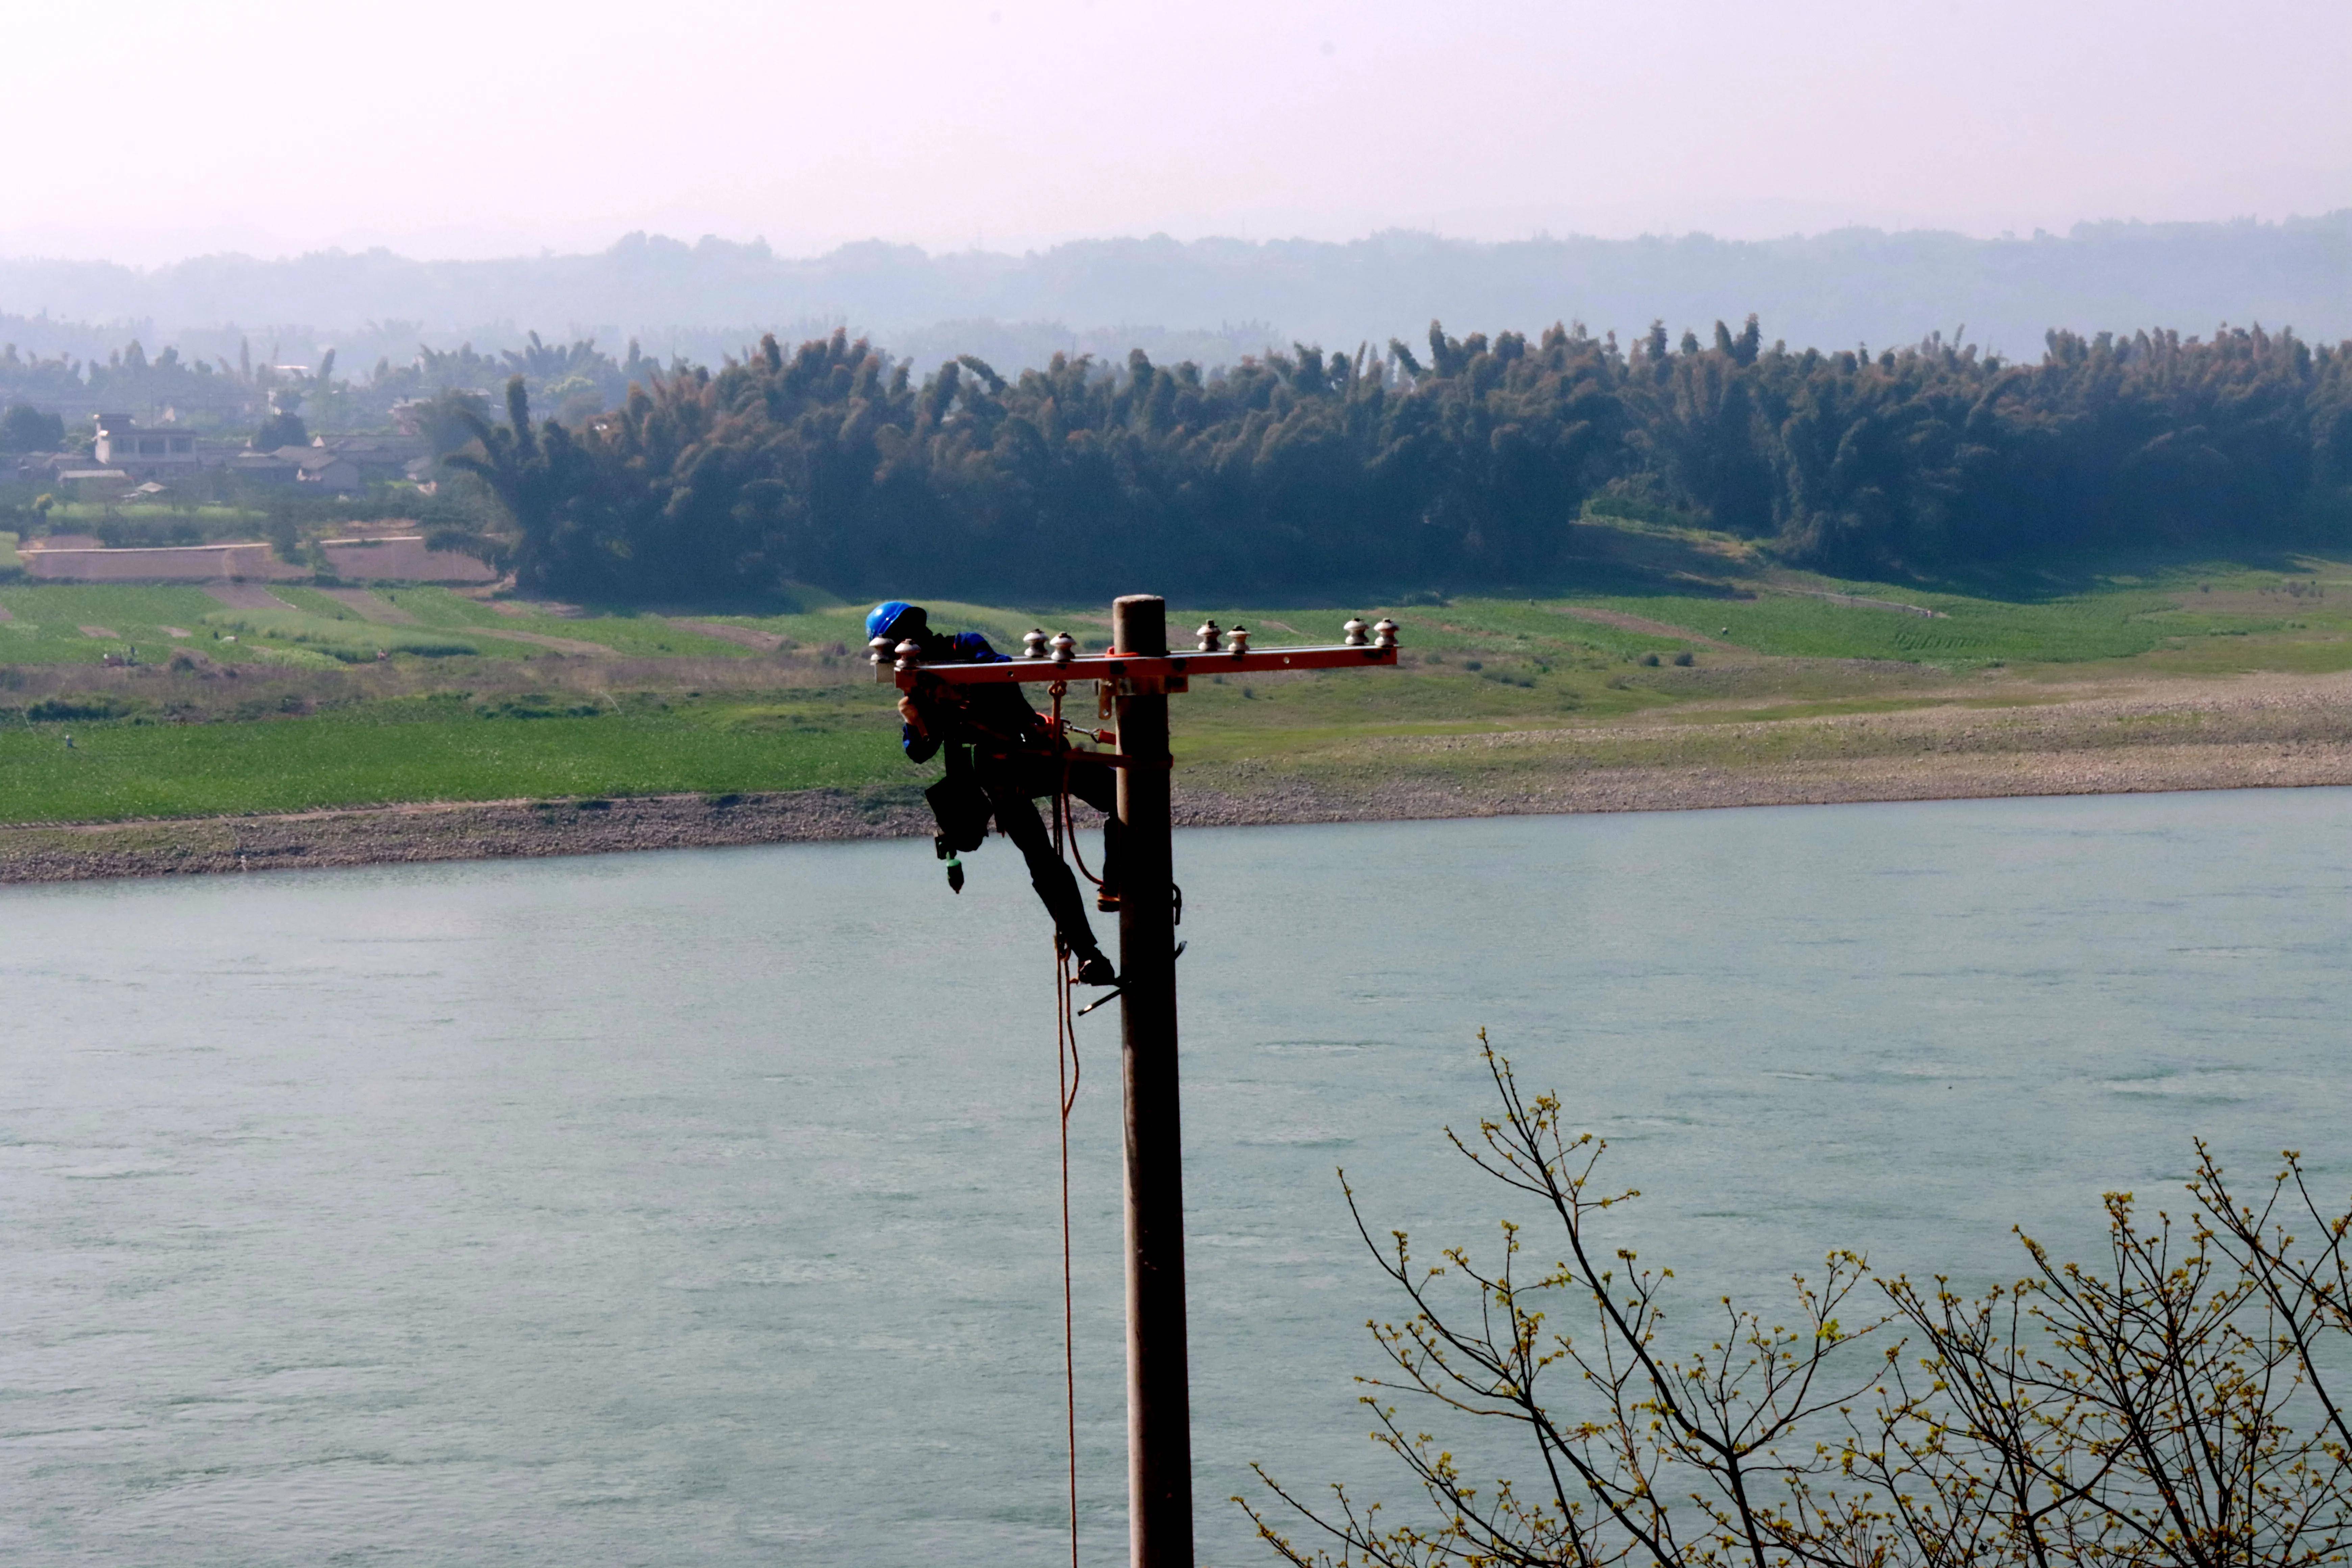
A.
pixel 945 698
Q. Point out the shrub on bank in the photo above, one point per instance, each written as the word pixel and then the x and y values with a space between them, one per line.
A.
pixel 2177 1404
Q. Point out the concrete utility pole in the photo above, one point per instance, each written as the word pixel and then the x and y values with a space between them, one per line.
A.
pixel 1140 672
pixel 1159 1396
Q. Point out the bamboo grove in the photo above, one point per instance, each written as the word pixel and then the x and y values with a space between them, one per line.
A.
pixel 1462 462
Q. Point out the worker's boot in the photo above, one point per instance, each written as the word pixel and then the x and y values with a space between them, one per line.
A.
pixel 1095 969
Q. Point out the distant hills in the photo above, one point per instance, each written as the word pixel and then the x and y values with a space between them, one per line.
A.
pixel 1211 299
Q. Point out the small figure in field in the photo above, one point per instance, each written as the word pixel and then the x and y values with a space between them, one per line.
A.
pixel 1001 757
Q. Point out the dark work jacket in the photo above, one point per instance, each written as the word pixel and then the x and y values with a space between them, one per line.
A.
pixel 992 718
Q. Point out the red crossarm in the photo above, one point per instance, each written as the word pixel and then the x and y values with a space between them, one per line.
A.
pixel 1175 666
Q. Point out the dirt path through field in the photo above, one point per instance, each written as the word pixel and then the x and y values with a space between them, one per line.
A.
pixel 245 596
pixel 1625 623
pixel 370 606
pixel 1853 601
pixel 548 607
pixel 106 633
pixel 742 636
pixel 540 639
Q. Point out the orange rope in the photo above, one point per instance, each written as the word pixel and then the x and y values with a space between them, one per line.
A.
pixel 1066 1057
pixel 1066 1068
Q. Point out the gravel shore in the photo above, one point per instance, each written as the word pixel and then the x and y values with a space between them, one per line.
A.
pixel 2254 731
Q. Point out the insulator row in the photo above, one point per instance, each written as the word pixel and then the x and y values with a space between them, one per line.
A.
pixel 1062 647
pixel 1236 640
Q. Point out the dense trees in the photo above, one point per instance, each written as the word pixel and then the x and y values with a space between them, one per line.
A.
pixel 1450 463
pixel 284 428
pixel 833 464
pixel 575 379
pixel 1934 456
pixel 23 429
pixel 1460 462
pixel 126 379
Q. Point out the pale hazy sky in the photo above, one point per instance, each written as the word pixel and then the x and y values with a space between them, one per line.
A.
pixel 151 129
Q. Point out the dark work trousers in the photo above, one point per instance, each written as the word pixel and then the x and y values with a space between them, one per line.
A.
pixel 1012 785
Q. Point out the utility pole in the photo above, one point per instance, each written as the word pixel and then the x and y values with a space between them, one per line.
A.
pixel 1159 1396
pixel 1139 674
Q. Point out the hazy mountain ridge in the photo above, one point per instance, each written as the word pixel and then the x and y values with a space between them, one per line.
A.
pixel 1829 290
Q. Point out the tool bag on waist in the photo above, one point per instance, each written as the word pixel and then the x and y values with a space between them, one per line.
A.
pixel 958 804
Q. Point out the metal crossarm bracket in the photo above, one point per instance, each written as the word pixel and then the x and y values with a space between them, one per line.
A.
pixel 1138 673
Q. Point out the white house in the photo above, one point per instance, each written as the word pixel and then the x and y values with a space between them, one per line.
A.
pixel 150 453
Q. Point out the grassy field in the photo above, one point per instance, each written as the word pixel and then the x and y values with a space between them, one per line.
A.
pixel 473 701
pixel 442 748
pixel 46 623
pixel 310 630
pixel 624 632
pixel 1962 632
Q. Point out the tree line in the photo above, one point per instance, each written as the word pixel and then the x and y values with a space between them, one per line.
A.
pixel 1464 461
pixel 272 403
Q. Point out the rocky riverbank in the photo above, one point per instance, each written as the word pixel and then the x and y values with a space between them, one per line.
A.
pixel 468 831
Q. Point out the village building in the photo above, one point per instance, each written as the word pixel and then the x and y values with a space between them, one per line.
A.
pixel 43 468
pixel 87 483
pixel 149 452
pixel 267 467
pixel 126 455
pixel 323 467
pixel 378 458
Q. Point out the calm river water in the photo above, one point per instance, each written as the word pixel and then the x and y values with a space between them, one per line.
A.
pixel 700 1207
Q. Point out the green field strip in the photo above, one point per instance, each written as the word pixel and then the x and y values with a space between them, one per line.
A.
pixel 1966 632
pixel 419 750
pixel 347 640
pixel 45 621
pixel 317 602
pixel 632 633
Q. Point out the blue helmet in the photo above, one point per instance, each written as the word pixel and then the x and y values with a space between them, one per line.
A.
pixel 885 615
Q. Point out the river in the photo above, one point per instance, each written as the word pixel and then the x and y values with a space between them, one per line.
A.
pixel 700 1207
